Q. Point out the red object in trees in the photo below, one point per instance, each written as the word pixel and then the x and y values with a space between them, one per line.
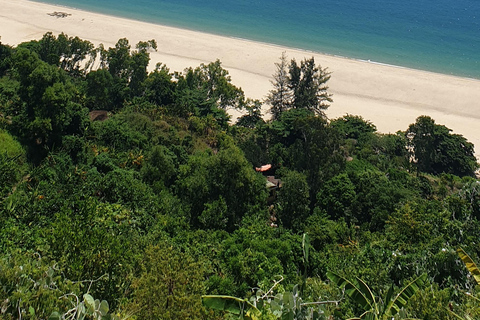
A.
pixel 264 168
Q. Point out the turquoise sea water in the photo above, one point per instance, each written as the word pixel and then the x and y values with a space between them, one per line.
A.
pixel 436 35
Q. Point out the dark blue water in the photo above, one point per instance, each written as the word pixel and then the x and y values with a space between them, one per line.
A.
pixel 435 35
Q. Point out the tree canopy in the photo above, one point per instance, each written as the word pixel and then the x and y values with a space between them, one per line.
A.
pixel 436 150
pixel 300 87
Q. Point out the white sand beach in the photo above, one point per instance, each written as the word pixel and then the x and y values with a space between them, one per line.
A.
pixel 390 97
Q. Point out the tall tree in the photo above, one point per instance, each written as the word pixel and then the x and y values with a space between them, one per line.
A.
pixel 52 106
pixel 213 80
pixel 139 63
pixel 68 53
pixel 435 150
pixel 308 85
pixel 299 87
pixel 118 59
pixel 128 70
pixel 280 97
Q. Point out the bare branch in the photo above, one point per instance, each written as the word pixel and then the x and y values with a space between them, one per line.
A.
pixel 273 287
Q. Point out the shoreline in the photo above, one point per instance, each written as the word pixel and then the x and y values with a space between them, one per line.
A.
pixel 256 38
pixel 389 96
pixel 309 51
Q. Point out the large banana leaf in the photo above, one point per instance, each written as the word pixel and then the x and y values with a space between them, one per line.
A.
pixel 356 290
pixel 237 306
pixel 387 299
pixel 401 299
pixel 471 266
pixel 368 293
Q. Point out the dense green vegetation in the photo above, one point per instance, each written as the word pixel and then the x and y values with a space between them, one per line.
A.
pixel 159 202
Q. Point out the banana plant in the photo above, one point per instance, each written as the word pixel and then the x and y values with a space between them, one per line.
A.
pixel 237 306
pixel 285 306
pixel 375 308
pixel 469 264
pixel 471 267
pixel 475 272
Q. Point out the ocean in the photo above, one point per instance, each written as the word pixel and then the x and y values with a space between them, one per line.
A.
pixel 434 35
